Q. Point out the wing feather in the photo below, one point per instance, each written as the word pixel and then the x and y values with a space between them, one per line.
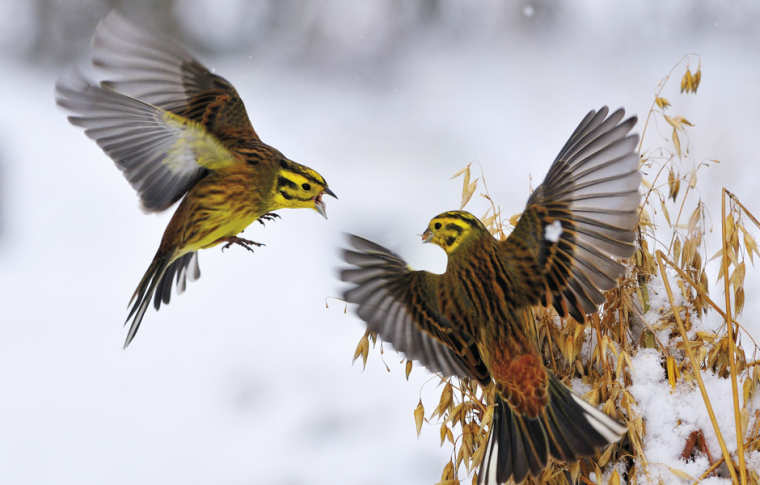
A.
pixel 394 303
pixel 581 216
pixel 161 72
pixel 160 153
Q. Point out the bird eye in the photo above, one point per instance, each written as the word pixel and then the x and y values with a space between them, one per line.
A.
pixel 437 225
pixel 306 186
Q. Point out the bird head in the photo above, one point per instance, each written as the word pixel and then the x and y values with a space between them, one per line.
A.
pixel 451 229
pixel 298 186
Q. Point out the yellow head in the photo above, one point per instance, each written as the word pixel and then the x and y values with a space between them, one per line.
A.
pixel 298 186
pixel 451 230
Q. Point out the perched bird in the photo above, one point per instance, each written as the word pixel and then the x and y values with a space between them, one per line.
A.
pixel 466 322
pixel 178 131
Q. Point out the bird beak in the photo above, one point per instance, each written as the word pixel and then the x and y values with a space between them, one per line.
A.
pixel 319 206
pixel 427 236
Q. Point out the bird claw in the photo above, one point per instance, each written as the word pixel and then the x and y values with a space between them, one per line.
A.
pixel 269 216
pixel 246 243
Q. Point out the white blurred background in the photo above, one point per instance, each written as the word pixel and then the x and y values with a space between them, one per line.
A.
pixel 247 377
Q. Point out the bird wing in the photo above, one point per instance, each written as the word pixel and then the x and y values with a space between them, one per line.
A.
pixel 583 214
pixel 159 71
pixel 161 154
pixel 394 302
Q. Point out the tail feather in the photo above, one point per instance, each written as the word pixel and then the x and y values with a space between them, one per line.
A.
pixel 143 294
pixel 585 419
pixel 568 429
pixel 571 424
pixel 610 429
pixel 561 446
pixel 156 285
pixel 182 267
pixel 523 460
pixel 534 442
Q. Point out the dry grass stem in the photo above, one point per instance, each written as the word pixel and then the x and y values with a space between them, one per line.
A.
pixel 731 347
pixel 695 368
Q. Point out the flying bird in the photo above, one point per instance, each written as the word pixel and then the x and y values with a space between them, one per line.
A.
pixel 466 322
pixel 180 132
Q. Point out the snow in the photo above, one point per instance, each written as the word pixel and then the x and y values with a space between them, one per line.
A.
pixel 247 377
pixel 671 415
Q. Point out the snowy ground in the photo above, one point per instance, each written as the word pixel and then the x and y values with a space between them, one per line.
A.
pixel 668 431
pixel 247 377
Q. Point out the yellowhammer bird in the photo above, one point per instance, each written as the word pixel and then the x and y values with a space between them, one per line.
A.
pixel 466 321
pixel 175 129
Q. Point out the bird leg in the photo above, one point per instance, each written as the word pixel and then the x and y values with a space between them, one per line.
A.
pixel 269 216
pixel 246 243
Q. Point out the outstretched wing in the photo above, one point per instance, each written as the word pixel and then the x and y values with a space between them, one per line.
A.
pixel 395 302
pixel 161 154
pixel 159 71
pixel 583 214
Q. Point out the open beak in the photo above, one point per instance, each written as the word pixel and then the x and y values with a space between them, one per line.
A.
pixel 319 204
pixel 427 236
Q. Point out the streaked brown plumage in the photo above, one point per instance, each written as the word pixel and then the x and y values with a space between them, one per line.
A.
pixel 178 131
pixel 467 322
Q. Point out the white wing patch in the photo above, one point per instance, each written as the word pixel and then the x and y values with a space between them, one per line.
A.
pixel 553 231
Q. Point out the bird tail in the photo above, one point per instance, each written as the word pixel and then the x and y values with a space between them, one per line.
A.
pixel 156 285
pixel 568 428
pixel 143 294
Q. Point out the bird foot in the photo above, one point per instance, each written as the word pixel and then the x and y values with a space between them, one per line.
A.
pixel 269 216
pixel 246 243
